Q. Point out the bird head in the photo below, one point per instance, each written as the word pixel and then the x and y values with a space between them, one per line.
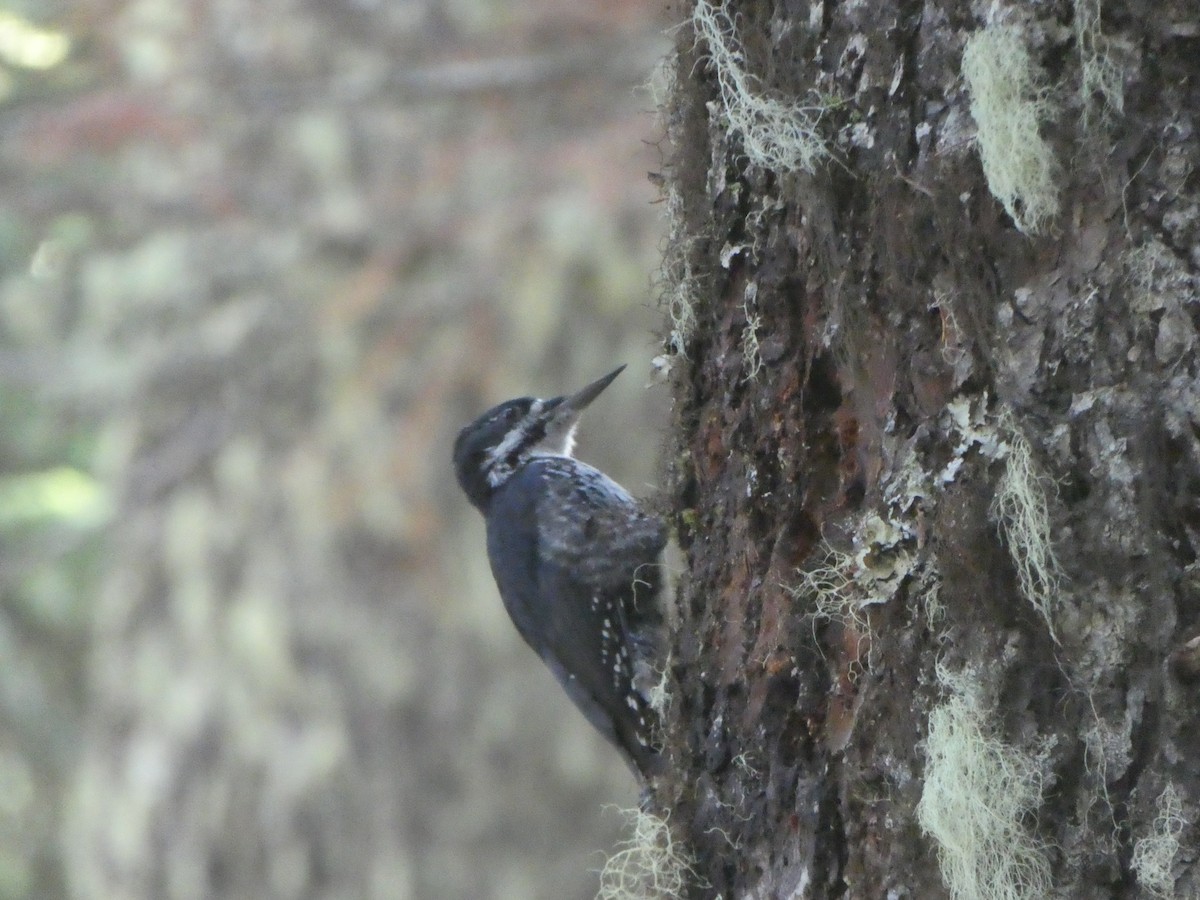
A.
pixel 490 449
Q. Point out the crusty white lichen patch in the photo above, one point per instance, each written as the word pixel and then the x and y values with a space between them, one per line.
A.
pixel 882 551
pixel 842 584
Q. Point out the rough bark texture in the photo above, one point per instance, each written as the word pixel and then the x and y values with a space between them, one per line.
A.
pixel 932 468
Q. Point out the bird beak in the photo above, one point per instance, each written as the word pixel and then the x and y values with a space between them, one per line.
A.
pixel 578 401
pixel 561 415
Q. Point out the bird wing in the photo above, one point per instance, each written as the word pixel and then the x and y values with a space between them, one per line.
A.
pixel 576 560
pixel 590 525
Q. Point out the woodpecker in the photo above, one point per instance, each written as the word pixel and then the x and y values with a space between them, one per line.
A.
pixel 576 559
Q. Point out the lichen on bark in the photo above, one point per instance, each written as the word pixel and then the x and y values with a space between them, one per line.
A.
pixel 1011 384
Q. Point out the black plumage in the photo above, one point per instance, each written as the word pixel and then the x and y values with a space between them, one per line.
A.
pixel 576 559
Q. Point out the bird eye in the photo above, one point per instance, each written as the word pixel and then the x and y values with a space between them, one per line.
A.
pixel 511 414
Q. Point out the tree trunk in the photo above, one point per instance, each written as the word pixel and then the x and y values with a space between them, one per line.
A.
pixel 933 280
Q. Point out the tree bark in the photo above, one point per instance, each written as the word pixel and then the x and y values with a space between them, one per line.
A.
pixel 935 480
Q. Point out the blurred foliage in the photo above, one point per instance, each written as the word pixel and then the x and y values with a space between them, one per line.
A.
pixel 259 259
pixel 51 507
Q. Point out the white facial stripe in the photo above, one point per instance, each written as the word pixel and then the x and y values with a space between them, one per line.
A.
pixel 497 465
pixel 511 441
pixel 558 441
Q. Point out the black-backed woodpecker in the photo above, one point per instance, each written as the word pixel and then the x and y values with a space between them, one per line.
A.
pixel 576 559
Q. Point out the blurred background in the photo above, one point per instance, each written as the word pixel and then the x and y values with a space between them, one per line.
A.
pixel 259 261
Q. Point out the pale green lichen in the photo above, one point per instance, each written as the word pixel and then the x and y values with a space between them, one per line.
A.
pixel 1100 77
pixel 832 590
pixel 1022 508
pixel 1021 505
pixel 650 865
pixel 1154 854
pixel 1009 106
pixel 679 286
pixel 776 134
pixel 977 795
pixel 751 350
